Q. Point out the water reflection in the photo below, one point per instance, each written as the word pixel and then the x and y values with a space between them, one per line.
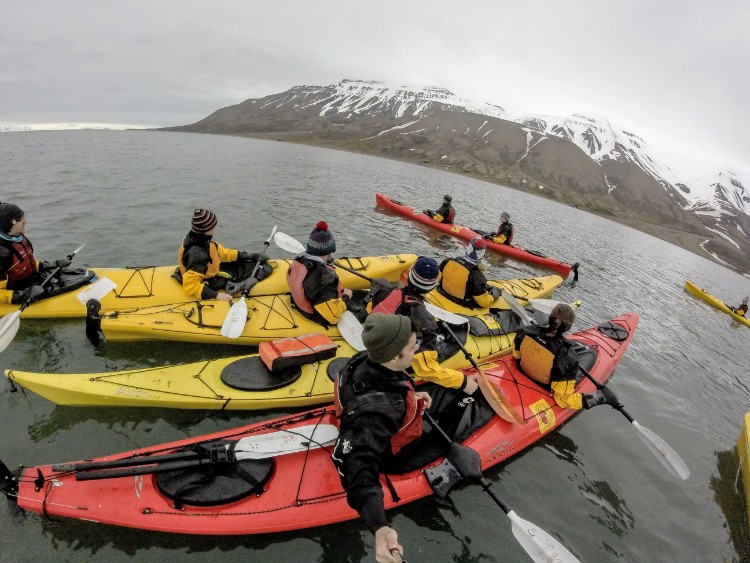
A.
pixel 728 493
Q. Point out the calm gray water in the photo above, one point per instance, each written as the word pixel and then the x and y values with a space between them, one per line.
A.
pixel 593 483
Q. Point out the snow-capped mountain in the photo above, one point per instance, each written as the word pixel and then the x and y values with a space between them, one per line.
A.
pixel 587 160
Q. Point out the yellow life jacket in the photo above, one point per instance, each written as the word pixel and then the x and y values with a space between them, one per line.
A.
pixel 536 361
pixel 455 277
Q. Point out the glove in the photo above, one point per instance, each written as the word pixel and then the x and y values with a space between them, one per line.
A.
pixel 45 266
pixel 494 291
pixel 243 256
pixel 29 294
pixel 241 287
pixel 603 396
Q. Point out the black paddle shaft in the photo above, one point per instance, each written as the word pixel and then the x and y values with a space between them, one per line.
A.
pixel 600 386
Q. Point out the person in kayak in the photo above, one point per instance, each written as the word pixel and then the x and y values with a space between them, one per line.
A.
pixel 463 280
pixel 200 261
pixel 546 356
pixel 21 275
pixel 409 301
pixel 742 309
pixel 504 234
pixel 316 290
pixel 445 214
pixel 380 412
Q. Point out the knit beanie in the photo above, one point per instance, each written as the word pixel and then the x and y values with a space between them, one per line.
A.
pixel 203 221
pixel 504 217
pixel 424 274
pixel 447 198
pixel 475 250
pixel 385 336
pixel 321 241
pixel 9 212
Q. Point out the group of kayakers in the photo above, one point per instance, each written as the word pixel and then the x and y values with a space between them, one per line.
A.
pixel 379 407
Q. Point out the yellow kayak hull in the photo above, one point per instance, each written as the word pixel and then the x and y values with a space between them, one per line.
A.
pixel 154 286
pixel 743 451
pixel 269 317
pixel 693 289
pixel 199 385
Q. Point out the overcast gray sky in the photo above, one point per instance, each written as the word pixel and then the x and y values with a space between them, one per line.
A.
pixel 670 71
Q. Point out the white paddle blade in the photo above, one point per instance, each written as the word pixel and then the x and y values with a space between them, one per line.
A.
pixel 284 442
pixel 285 242
pixel 234 324
pixel 669 458
pixel 546 305
pixel 351 330
pixel 444 315
pixel 539 544
pixel 8 329
pixel 516 306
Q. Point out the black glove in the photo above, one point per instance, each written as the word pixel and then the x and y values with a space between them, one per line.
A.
pixel 243 256
pixel 603 396
pixel 241 287
pixel 29 294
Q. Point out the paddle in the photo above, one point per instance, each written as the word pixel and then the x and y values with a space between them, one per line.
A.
pixel 663 452
pixel 351 330
pixel 10 323
pixel 273 444
pixel 290 244
pixel 494 396
pixel 234 323
pixel 537 543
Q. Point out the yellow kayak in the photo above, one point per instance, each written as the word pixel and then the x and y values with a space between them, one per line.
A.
pixel 693 289
pixel 743 451
pixel 238 383
pixel 269 317
pixel 129 288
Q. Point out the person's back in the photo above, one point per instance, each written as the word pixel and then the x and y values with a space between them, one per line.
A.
pixel 463 280
pixel 314 285
pixel 545 355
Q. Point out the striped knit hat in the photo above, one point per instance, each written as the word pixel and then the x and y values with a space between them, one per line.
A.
pixel 424 274
pixel 203 221
pixel 321 241
pixel 475 250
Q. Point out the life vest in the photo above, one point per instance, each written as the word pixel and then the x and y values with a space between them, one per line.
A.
pixel 295 275
pixel 355 395
pixel 451 215
pixel 509 237
pixel 391 303
pixel 536 361
pixel 22 262
pixel 454 280
pixel 213 252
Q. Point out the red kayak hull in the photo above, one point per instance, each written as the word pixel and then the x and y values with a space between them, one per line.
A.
pixel 465 233
pixel 304 490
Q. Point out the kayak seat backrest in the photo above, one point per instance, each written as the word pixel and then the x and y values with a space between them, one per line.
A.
pixel 335 366
pixel 217 483
pixel 251 374
pixel 586 357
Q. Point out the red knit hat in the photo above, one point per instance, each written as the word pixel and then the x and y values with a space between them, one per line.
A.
pixel 203 221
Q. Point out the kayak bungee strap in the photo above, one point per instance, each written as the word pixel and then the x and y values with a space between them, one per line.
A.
pixel 148 285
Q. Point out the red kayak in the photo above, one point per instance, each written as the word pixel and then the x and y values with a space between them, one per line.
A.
pixel 516 252
pixel 293 485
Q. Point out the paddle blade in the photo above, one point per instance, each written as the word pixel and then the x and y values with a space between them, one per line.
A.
pixel 286 442
pixel 351 330
pixel 285 242
pixel 516 306
pixel 539 544
pixel 444 315
pixel 498 401
pixel 8 329
pixel 234 324
pixel 669 458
